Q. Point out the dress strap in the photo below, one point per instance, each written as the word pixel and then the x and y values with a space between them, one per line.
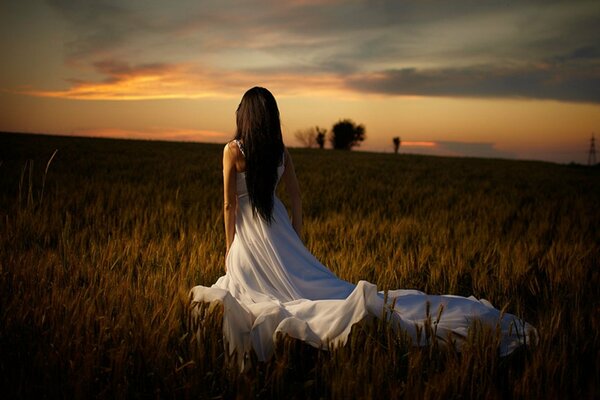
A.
pixel 240 146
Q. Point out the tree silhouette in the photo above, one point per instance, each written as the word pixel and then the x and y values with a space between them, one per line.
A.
pixel 321 137
pixel 397 142
pixel 346 134
pixel 307 137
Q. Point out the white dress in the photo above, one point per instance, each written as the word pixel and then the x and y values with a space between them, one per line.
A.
pixel 275 285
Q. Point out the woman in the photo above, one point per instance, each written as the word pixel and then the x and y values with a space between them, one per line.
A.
pixel 274 284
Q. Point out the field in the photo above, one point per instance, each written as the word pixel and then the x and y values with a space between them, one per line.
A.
pixel 100 247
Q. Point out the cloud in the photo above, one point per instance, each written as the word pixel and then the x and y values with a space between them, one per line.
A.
pixel 123 81
pixel 467 149
pixel 455 149
pixel 580 53
pixel 539 82
pixel 98 27
pixel 531 49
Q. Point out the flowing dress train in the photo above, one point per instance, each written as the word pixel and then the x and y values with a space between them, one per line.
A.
pixel 275 285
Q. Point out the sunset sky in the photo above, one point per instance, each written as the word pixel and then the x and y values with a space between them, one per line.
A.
pixel 509 79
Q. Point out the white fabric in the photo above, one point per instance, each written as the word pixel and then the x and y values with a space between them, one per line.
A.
pixel 275 285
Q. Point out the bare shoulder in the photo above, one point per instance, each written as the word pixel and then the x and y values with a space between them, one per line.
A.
pixel 230 157
pixel 231 150
pixel 231 146
pixel 234 155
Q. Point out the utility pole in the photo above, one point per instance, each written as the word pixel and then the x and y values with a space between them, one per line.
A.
pixel 592 152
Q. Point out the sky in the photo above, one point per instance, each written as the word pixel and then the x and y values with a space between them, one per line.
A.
pixel 502 79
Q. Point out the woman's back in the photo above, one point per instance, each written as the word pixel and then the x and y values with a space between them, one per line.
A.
pixel 241 188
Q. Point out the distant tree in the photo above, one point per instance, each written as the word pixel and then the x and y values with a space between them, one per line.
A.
pixel 321 137
pixel 307 137
pixel 346 134
pixel 397 142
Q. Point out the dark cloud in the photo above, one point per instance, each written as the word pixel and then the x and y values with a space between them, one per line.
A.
pixel 118 70
pixel 98 26
pixel 529 49
pixel 101 28
pixel 460 149
pixel 465 149
pixel 591 52
pixel 540 82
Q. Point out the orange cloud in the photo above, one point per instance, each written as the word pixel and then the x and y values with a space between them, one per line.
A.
pixel 177 81
pixel 419 144
pixel 124 82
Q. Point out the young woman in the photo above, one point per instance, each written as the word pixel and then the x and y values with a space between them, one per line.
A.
pixel 274 284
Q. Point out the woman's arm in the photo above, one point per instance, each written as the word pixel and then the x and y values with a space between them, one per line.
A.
pixel 229 196
pixel 293 191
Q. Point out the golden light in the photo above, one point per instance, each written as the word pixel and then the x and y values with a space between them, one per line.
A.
pixel 419 144
pixel 186 81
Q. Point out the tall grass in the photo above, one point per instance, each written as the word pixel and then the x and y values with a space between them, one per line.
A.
pixel 100 246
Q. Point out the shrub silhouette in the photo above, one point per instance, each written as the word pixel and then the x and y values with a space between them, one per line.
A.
pixel 346 134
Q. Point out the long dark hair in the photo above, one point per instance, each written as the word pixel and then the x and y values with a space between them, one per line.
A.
pixel 259 130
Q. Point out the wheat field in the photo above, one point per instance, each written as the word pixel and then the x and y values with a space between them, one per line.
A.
pixel 101 241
